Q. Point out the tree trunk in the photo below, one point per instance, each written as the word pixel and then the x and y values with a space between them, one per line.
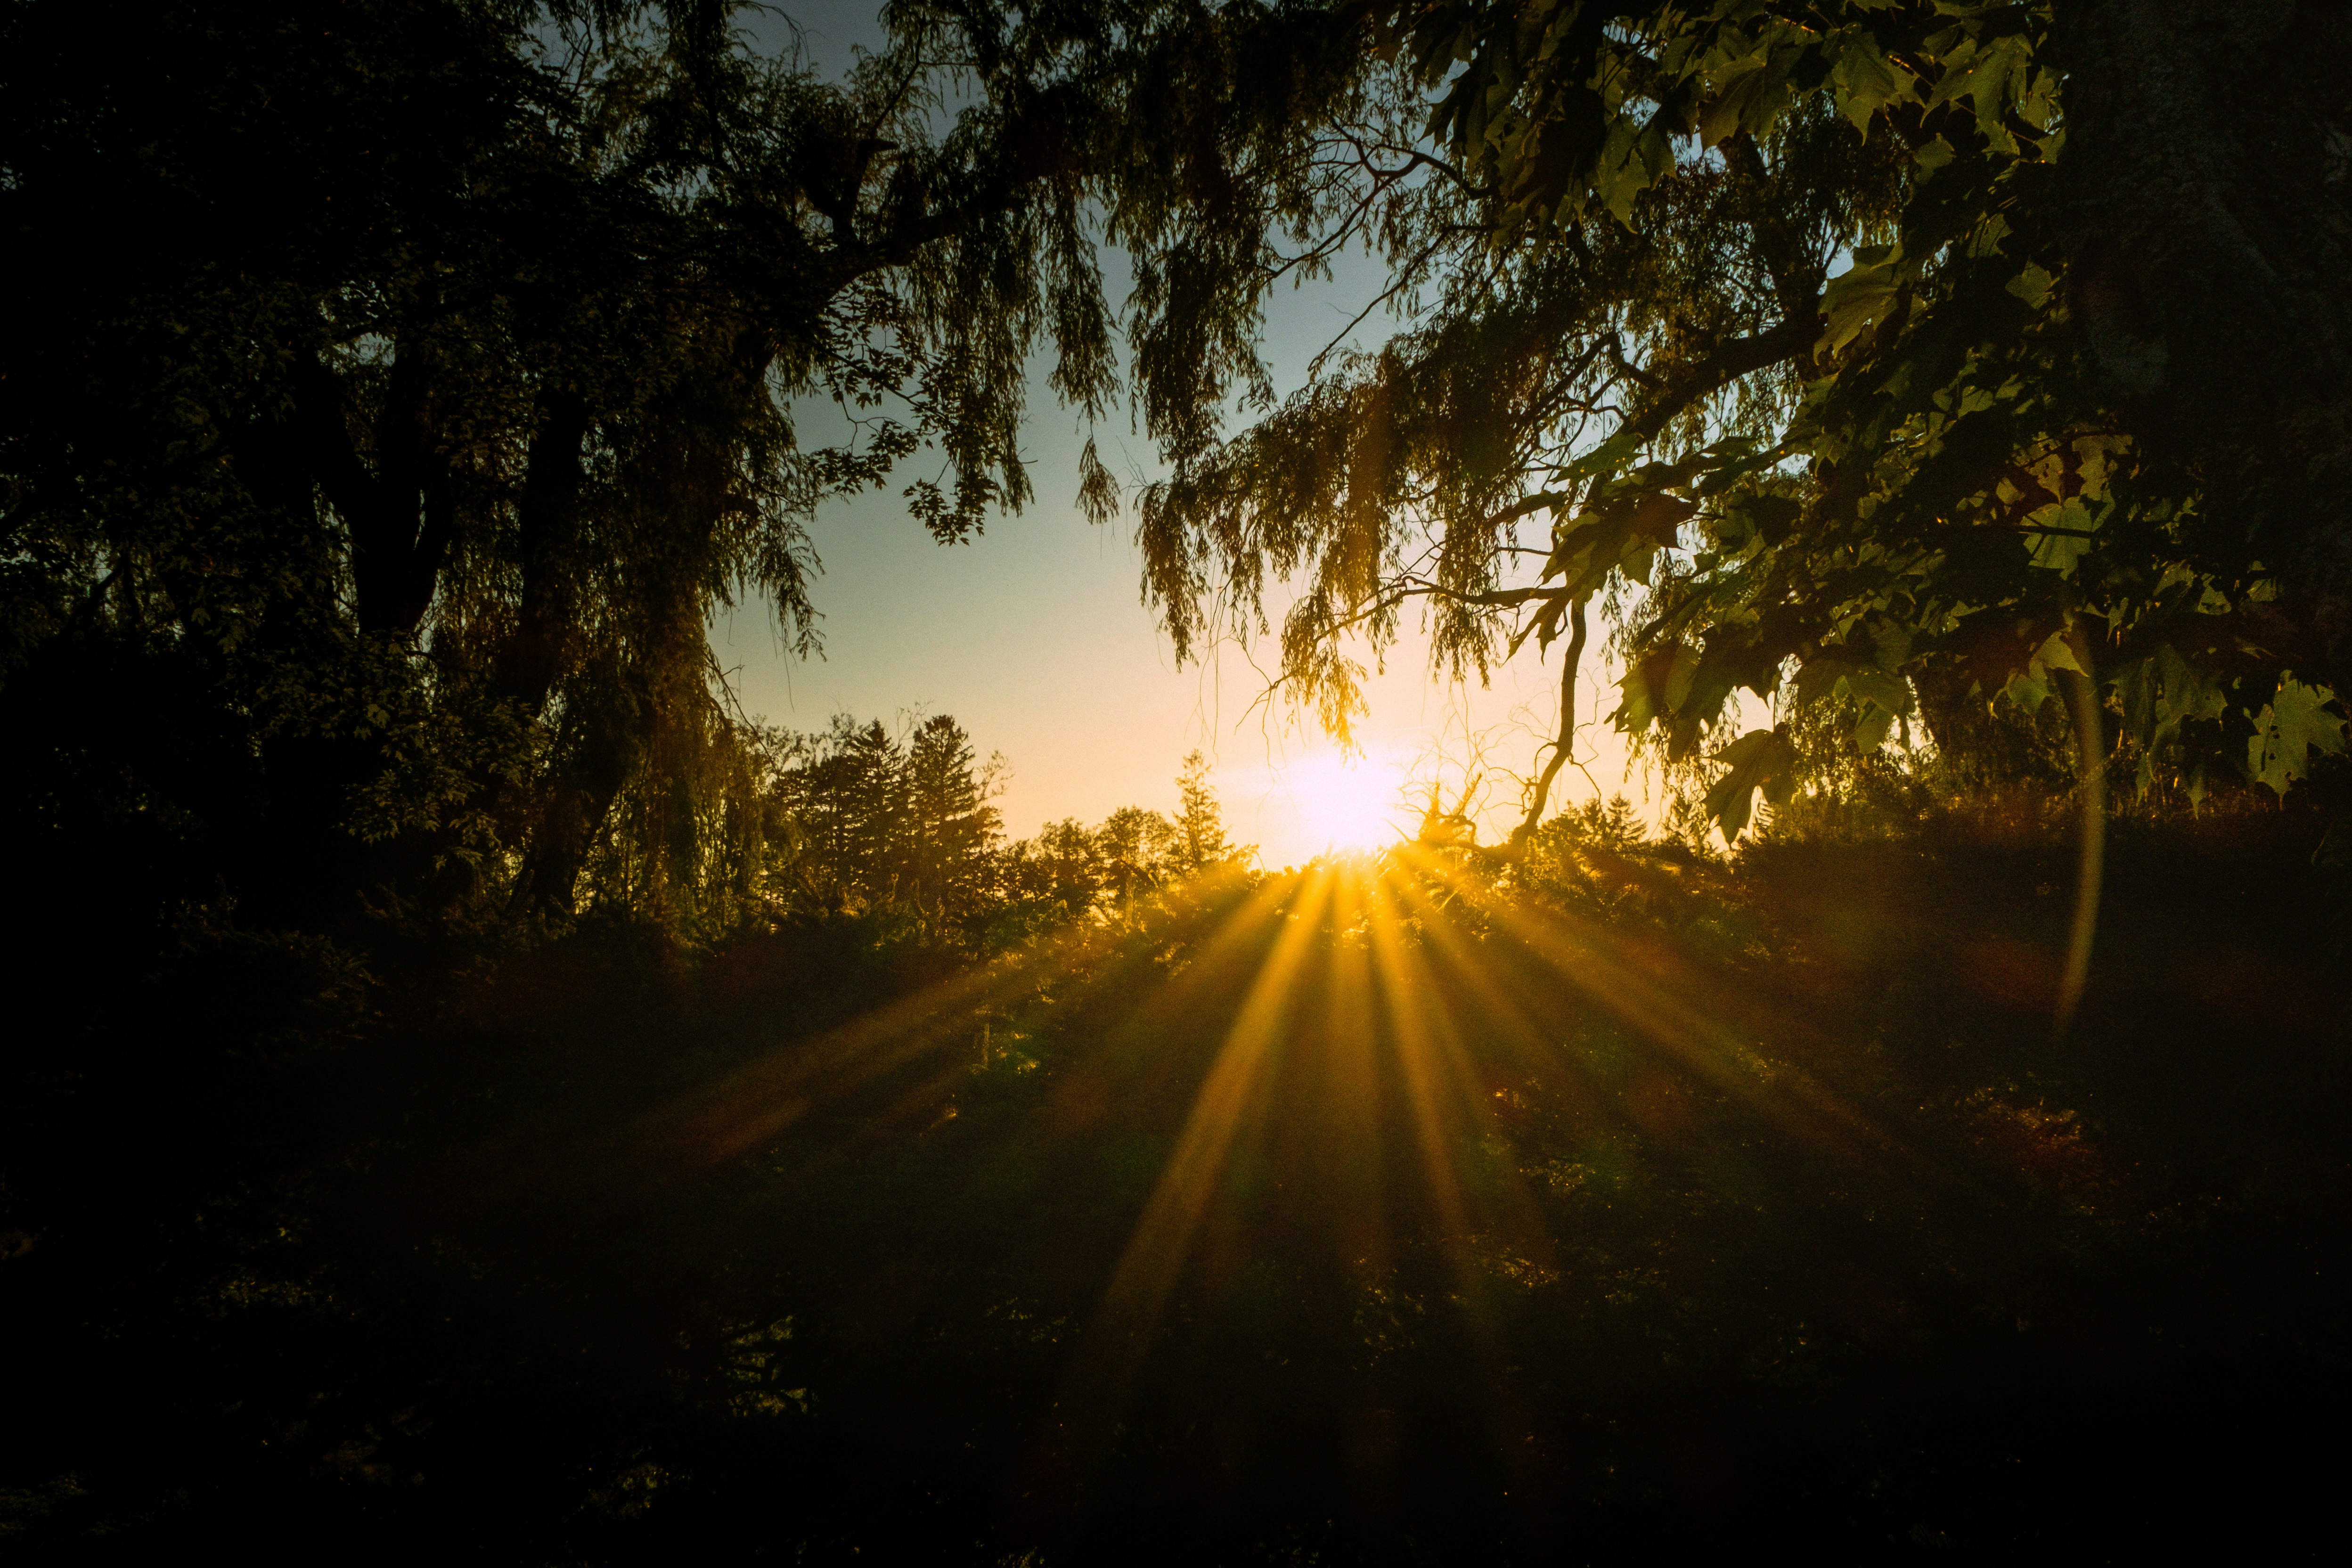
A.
pixel 604 723
pixel 548 517
pixel 401 511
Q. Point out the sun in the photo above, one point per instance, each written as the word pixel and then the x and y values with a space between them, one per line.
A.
pixel 1347 804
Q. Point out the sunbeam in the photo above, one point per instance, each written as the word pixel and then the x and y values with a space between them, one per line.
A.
pixel 1670 1002
pixel 1228 1097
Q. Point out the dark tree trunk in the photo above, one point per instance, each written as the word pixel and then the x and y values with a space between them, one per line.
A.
pixel 613 718
pixel 547 516
pixel 401 510
pixel 605 725
pixel 302 865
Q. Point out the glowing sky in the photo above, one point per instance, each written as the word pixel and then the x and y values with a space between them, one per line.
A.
pixel 1033 637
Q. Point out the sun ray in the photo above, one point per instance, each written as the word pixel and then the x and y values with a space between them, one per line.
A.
pixel 1156 1254
pixel 1447 1109
pixel 1673 1005
pixel 1356 1096
pixel 1454 1085
pixel 1117 1340
pixel 779 1086
pixel 1417 1053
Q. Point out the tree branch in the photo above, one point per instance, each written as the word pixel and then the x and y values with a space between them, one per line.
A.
pixel 1741 356
pixel 1566 741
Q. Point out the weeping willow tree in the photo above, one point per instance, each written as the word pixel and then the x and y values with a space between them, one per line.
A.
pixel 412 380
pixel 1867 355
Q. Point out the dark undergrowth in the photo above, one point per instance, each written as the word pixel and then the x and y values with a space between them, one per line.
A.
pixel 1377 1213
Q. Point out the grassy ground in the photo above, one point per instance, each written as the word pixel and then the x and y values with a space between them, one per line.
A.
pixel 1381 1213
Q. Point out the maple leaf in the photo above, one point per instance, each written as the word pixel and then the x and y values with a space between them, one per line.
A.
pixel 2297 723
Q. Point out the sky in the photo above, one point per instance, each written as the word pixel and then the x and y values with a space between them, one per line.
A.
pixel 1034 637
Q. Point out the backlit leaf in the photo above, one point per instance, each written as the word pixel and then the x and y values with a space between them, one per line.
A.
pixel 2295 724
pixel 1756 758
pixel 1865 82
pixel 1863 294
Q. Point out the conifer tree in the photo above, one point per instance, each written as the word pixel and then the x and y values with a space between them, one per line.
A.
pixel 1136 847
pixel 1200 826
pixel 950 825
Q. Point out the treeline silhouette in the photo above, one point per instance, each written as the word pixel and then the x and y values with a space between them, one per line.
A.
pixel 900 826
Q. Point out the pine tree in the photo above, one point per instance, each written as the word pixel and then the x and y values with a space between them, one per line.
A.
pixel 1200 840
pixel 1065 869
pixel 950 826
pixel 1609 826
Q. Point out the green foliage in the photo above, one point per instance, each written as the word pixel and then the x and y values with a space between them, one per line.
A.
pixel 1760 759
pixel 872 821
pixel 1069 870
pixel 2295 723
pixel 1600 860
pixel 1831 314
pixel 1197 834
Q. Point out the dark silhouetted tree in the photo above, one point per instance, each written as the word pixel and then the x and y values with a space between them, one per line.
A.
pixel 951 826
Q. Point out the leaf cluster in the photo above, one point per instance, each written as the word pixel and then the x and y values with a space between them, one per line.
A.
pixel 1795 300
